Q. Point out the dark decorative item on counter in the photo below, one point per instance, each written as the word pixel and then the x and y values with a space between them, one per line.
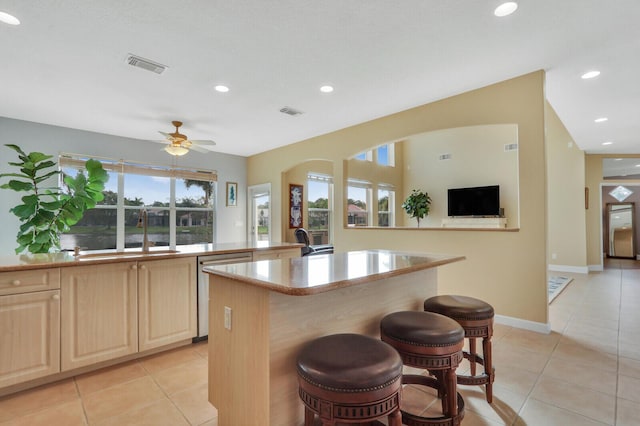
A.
pixel 46 212
pixel 417 205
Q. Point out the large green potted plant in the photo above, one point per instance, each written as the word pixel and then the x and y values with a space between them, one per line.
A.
pixel 48 211
pixel 417 204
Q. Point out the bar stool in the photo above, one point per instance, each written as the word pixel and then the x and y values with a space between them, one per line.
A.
pixel 349 378
pixel 432 342
pixel 476 318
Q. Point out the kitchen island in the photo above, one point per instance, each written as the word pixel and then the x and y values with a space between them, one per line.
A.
pixel 262 313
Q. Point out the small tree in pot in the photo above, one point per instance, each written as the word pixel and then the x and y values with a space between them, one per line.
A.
pixel 417 204
pixel 46 212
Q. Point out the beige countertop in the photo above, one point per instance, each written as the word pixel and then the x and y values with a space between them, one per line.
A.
pixel 320 273
pixel 51 260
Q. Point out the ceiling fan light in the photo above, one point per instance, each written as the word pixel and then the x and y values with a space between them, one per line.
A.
pixel 176 150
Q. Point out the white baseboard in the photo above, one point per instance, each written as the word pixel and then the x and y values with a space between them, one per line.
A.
pixel 538 327
pixel 569 268
pixel 596 268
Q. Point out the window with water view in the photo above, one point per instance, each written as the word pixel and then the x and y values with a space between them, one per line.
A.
pixel 179 208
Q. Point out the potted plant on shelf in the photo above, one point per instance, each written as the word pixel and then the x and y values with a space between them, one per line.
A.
pixel 48 211
pixel 417 204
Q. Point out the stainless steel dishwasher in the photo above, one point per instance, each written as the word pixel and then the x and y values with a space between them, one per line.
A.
pixel 203 285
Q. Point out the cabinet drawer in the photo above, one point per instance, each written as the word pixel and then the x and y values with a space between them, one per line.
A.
pixel 27 281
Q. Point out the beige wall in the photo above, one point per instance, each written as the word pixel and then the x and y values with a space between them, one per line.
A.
pixel 507 269
pixel 594 180
pixel 478 158
pixel 565 197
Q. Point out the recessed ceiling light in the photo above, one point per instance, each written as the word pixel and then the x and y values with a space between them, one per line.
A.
pixel 601 119
pixel 637 165
pixel 590 74
pixel 505 9
pixel 222 89
pixel 607 143
pixel 326 89
pixel 9 19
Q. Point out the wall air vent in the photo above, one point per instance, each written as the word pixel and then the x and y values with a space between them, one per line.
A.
pixel 511 147
pixel 291 111
pixel 145 64
pixel 444 157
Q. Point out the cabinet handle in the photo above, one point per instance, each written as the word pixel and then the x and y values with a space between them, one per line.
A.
pixel 134 266
pixel 56 297
pixel 16 282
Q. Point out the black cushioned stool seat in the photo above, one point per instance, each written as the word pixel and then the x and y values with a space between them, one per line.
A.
pixel 432 342
pixel 476 318
pixel 349 378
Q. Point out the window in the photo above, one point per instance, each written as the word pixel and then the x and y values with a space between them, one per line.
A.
pixel 386 203
pixel 385 155
pixel 179 205
pixel 319 208
pixel 358 203
pixel 364 156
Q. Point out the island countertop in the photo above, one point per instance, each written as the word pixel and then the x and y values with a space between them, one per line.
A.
pixel 309 275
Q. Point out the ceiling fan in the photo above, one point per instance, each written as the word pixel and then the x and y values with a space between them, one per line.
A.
pixel 179 144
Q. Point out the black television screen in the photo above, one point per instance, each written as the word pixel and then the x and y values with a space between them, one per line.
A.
pixel 478 201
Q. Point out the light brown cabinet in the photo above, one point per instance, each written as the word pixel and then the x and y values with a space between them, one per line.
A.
pixel 99 319
pixel 30 332
pixel 167 310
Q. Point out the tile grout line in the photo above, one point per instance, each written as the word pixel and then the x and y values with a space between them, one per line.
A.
pixel 84 410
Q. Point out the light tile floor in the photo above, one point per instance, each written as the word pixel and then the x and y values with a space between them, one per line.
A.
pixel 586 372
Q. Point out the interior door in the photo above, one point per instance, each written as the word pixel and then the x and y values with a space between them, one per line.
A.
pixel 621 230
pixel 260 213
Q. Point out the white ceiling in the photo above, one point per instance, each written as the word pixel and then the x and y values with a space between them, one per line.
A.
pixel 65 64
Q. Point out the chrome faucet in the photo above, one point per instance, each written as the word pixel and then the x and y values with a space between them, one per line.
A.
pixel 142 223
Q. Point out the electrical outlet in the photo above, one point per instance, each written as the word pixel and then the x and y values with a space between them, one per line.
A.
pixel 554 256
pixel 227 318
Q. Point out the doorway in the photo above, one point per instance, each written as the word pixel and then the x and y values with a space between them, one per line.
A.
pixel 620 236
pixel 259 213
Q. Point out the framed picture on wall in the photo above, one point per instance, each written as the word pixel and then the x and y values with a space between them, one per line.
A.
pixel 295 206
pixel 232 194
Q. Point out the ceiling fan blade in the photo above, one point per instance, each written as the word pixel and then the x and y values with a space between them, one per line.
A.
pixel 161 141
pixel 203 142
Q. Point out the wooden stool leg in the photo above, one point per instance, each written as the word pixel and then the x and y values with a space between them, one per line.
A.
pixel 451 393
pixel 472 352
pixel 395 418
pixel 488 367
pixel 309 417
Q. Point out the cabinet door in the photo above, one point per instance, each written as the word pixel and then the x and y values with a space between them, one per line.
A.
pixel 30 331
pixel 276 254
pixel 167 292
pixel 99 313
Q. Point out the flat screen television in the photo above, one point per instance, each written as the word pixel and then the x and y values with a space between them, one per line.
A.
pixel 478 201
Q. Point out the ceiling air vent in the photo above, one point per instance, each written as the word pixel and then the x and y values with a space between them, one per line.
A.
pixel 145 64
pixel 444 157
pixel 511 147
pixel 291 111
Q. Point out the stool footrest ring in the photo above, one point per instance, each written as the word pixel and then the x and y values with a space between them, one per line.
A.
pixel 410 419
